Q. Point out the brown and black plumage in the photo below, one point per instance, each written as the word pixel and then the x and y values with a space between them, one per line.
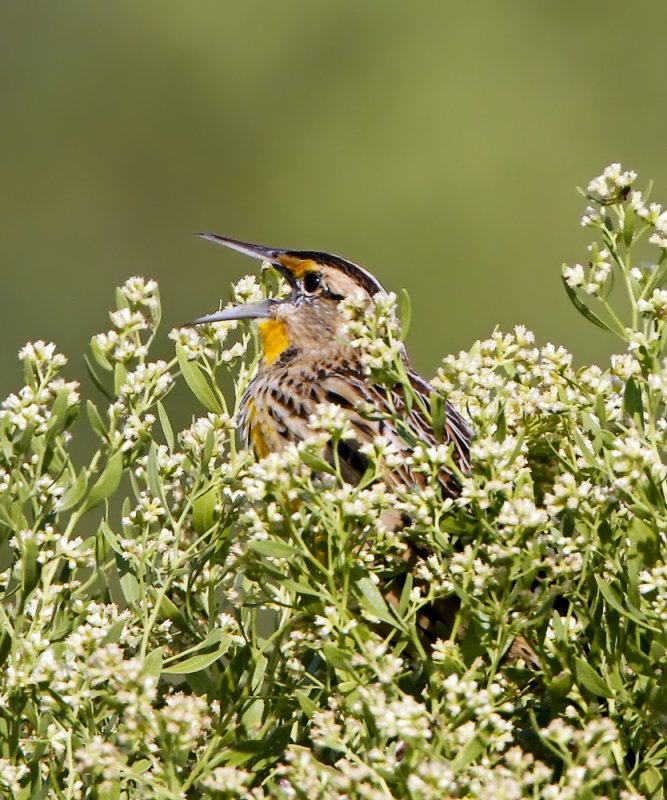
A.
pixel 308 360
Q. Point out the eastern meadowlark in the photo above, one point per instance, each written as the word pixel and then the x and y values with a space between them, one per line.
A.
pixel 308 360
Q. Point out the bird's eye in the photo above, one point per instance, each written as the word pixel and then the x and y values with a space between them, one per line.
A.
pixel 311 282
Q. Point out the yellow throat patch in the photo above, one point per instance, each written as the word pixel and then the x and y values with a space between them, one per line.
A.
pixel 274 339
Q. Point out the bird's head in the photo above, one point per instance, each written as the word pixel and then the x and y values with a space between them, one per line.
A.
pixel 309 318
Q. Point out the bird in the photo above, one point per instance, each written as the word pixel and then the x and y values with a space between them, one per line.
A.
pixel 308 360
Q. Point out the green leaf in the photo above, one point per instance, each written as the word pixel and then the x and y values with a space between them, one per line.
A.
pixel 166 425
pixel 203 510
pixel 372 601
pixel 299 588
pixel 631 613
pixel 651 781
pixel 119 377
pixel 153 662
pixel 130 586
pixel 107 483
pixel 561 684
pixel 470 751
pixel 99 355
pixel 75 493
pixel 628 225
pixel 632 399
pixel 315 462
pixel 198 662
pixel 171 611
pixel 338 658
pixel 252 716
pixel 587 453
pixel 59 410
pixel 584 310
pixel 197 382
pixel 438 408
pixel 110 537
pixel 31 566
pixel 273 548
pixel 590 679
pixel 153 474
pixel 307 705
pixel 96 420
pixel 96 380
pixel 121 300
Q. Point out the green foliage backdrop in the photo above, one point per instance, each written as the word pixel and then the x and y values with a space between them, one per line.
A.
pixel 437 144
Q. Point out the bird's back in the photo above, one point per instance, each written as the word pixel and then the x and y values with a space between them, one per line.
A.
pixel 280 400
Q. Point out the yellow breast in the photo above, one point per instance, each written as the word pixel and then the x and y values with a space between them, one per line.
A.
pixel 274 339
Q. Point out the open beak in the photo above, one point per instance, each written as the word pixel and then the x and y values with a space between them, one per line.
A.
pixel 260 310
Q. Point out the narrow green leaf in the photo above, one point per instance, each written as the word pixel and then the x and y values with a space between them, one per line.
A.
pixel 203 510
pixel 628 224
pixel 561 684
pixel 96 380
pixel 171 611
pixel 197 382
pixel 587 453
pixel 252 716
pixel 213 637
pixel 438 408
pixel 315 462
pixel 335 656
pixel 119 377
pixel 152 472
pixel 470 751
pixel 59 410
pixel 121 300
pixel 590 679
pixel 657 278
pixel 166 425
pixel 153 662
pixel 75 493
pixel 130 586
pixel 108 481
pixel 31 566
pixel 110 537
pixel 632 399
pixel 372 601
pixel 96 420
pixel 299 588
pixel 99 355
pixel 607 592
pixel 583 309
pixel 273 548
pixel 307 705
pixel 199 662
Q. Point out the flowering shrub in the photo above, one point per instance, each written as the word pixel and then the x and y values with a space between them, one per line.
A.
pixel 181 620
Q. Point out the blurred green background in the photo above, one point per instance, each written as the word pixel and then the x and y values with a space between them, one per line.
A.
pixel 438 144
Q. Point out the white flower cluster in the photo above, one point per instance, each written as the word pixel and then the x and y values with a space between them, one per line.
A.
pixel 593 278
pixel 138 312
pixel 31 408
pixel 373 329
pixel 605 187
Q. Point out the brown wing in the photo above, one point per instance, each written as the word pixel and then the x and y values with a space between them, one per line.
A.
pixel 279 405
pixel 349 389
